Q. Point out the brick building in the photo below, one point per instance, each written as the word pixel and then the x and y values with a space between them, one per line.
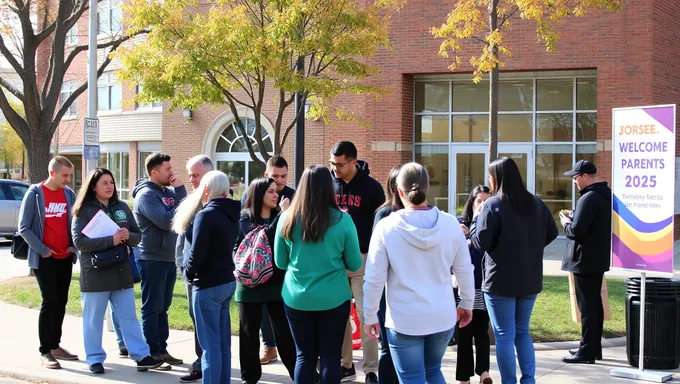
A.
pixel 555 107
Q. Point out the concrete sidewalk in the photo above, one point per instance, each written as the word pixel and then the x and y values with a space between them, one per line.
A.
pixel 19 358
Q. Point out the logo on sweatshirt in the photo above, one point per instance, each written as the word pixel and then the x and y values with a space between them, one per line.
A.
pixel 348 200
pixel 55 210
pixel 168 201
pixel 120 215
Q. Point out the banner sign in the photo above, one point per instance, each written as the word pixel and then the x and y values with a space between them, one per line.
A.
pixel 643 180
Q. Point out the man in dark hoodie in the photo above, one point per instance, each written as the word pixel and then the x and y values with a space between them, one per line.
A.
pixel 588 232
pixel 359 195
pixel 154 209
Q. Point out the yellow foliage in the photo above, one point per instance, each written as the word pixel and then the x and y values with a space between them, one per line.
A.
pixel 470 19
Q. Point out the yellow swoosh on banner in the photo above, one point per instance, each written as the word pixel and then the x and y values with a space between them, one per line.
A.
pixel 642 243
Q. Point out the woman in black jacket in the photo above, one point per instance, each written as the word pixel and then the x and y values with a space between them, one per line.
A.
pixel 101 284
pixel 261 209
pixel 479 326
pixel 210 269
pixel 513 228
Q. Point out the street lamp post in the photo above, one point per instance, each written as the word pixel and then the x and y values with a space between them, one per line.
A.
pixel 299 126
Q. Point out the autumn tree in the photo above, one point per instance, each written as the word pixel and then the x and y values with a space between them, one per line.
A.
pixel 488 21
pixel 34 43
pixel 233 51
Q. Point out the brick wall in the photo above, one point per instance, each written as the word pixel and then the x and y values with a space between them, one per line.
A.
pixel 666 34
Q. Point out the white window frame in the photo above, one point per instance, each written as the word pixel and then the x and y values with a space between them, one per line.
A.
pixel 147 106
pixel 72 36
pixel 108 7
pixel 67 89
pixel 109 81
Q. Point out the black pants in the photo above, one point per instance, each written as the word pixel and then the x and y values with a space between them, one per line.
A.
pixel 318 336
pixel 196 365
pixel 250 315
pixel 589 301
pixel 54 280
pixel 479 330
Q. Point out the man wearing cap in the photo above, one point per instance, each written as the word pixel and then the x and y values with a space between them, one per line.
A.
pixel 588 232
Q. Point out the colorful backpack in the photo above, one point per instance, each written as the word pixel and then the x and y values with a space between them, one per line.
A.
pixel 254 259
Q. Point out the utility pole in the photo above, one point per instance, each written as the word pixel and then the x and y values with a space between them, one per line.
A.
pixel 91 125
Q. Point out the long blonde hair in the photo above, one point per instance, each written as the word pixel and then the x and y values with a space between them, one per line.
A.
pixel 217 184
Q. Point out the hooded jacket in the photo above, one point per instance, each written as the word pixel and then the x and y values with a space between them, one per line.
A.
pixel 361 197
pixel 589 234
pixel 412 255
pixel 116 277
pixel 214 233
pixel 154 209
pixel 514 244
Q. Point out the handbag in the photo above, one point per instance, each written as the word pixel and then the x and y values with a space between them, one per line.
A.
pixel 19 247
pixel 110 257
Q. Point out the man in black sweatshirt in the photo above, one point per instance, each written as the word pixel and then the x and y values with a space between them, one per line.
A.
pixel 359 195
pixel 588 232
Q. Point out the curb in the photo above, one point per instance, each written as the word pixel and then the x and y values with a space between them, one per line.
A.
pixel 565 345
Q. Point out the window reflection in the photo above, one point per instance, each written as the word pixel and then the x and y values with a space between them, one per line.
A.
pixel 435 158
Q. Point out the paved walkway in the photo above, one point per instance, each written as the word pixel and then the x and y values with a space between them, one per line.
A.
pixel 19 357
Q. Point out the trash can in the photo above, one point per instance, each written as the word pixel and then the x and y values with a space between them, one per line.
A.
pixel 662 323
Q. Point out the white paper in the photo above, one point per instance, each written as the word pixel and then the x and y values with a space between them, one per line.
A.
pixel 101 225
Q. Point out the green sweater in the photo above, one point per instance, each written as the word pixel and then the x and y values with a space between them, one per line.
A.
pixel 316 278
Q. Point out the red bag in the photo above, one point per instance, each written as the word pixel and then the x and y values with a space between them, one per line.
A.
pixel 356 327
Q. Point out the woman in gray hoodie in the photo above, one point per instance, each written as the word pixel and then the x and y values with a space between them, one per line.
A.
pixel 101 284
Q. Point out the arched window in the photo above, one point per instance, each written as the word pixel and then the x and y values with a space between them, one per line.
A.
pixel 232 157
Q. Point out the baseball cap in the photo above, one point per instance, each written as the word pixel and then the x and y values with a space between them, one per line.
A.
pixel 582 167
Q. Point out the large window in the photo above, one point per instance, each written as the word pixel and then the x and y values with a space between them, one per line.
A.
pixel 109 93
pixel 141 160
pixel 109 17
pixel 155 104
pixel 67 90
pixel 553 114
pixel 119 164
pixel 231 154
pixel 72 35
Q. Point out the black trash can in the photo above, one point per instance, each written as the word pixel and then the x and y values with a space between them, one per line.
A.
pixel 662 323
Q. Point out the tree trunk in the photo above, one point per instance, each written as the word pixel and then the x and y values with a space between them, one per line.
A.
pixel 493 86
pixel 38 150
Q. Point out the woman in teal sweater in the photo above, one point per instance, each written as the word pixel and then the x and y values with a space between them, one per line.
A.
pixel 315 244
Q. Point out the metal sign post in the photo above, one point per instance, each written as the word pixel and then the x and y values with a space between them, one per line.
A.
pixel 91 127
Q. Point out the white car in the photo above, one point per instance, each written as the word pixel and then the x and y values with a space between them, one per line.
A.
pixel 11 194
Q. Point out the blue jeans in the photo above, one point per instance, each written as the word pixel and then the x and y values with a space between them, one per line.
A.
pixel 94 309
pixel 386 372
pixel 268 338
pixel 213 327
pixel 158 283
pixel 510 317
pixel 318 336
pixel 116 328
pixel 418 359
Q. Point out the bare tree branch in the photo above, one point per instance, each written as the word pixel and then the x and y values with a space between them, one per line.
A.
pixel 10 58
pixel 509 15
pixel 65 106
pixel 12 89
pixel 13 118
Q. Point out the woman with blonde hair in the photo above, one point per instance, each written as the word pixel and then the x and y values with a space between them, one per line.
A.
pixel 209 267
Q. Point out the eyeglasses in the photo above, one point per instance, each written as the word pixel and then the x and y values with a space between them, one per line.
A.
pixel 336 165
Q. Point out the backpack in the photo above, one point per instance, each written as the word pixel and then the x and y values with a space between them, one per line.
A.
pixel 254 259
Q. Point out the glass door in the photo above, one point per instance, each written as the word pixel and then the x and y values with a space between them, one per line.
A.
pixel 469 165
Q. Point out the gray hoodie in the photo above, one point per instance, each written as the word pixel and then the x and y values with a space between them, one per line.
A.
pixel 154 209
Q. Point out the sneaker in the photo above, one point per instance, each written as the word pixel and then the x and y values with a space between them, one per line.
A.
pixel 171 360
pixel 97 368
pixel 371 378
pixel 269 354
pixel 148 363
pixel 347 374
pixel 48 361
pixel 123 353
pixel 62 354
pixel 193 376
